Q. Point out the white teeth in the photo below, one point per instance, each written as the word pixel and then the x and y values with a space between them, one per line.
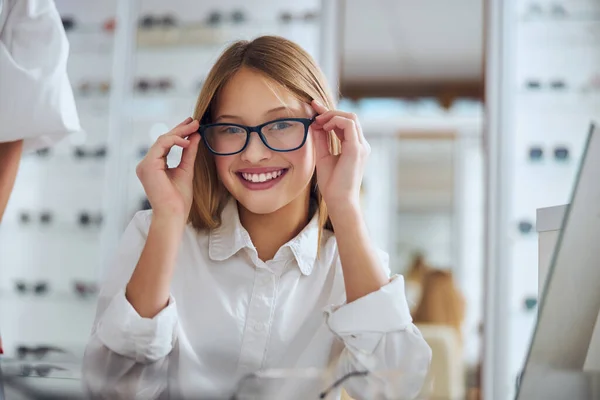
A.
pixel 262 177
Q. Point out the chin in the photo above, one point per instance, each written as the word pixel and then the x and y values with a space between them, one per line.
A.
pixel 260 204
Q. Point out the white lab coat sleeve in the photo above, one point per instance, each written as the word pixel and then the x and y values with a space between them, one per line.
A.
pixel 36 99
pixel 127 355
pixel 379 336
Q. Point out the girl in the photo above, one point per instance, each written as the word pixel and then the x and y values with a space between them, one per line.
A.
pixel 237 268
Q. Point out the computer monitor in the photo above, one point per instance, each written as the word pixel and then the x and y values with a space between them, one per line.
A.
pixel 570 301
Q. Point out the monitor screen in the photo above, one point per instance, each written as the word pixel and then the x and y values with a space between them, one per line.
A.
pixel 570 300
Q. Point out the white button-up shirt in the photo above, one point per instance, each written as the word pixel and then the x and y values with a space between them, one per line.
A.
pixel 231 314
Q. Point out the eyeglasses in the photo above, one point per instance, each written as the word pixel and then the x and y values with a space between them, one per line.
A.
pixel 85 289
pixel 281 135
pixel 41 370
pixel 154 21
pixel 273 383
pixel 37 288
pixel 86 219
pixel 100 152
pixel 145 85
pixel 309 383
pixel 38 352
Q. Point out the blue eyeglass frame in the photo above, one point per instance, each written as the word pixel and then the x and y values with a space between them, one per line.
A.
pixel 307 122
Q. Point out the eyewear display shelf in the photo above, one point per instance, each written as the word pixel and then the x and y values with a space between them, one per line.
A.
pixel 552 64
pixel 136 68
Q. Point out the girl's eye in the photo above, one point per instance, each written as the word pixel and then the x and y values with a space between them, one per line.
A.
pixel 280 125
pixel 231 129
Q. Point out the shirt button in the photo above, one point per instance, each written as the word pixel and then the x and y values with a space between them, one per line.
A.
pixel 259 327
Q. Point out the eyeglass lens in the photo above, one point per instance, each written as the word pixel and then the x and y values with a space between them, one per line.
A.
pixel 280 135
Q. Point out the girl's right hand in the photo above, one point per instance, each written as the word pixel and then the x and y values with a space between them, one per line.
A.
pixel 169 190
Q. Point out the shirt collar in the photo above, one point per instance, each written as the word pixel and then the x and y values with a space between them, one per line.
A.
pixel 230 237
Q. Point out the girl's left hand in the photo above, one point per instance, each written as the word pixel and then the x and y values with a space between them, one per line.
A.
pixel 339 177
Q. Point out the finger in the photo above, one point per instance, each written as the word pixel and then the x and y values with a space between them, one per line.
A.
pixel 318 107
pixel 321 139
pixel 164 144
pixel 327 116
pixel 344 128
pixel 338 132
pixel 186 129
pixel 188 158
pixel 325 161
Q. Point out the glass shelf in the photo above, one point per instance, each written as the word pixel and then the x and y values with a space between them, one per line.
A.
pixel 54 228
pixel 593 17
pixel 52 297
pixel 201 36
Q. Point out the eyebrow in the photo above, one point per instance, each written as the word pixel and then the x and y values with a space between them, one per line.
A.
pixel 271 111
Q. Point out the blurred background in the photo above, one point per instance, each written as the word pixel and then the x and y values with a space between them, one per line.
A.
pixel 466 103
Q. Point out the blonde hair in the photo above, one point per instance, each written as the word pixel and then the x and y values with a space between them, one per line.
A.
pixel 441 302
pixel 418 268
pixel 282 62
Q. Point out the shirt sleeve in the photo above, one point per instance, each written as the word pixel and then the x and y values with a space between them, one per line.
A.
pixel 122 330
pixel 379 336
pixel 36 98
pixel 118 326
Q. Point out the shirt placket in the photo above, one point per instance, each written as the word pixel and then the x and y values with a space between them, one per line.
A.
pixel 259 319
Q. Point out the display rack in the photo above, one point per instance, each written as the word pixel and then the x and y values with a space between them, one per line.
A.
pixel 549 63
pixel 136 68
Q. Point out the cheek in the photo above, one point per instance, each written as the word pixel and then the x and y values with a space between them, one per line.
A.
pixel 223 165
pixel 304 160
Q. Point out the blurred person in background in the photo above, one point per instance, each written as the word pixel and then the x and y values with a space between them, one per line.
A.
pixel 414 280
pixel 36 100
pixel 439 316
pixel 441 302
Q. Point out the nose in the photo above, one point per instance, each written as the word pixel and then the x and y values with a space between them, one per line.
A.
pixel 256 150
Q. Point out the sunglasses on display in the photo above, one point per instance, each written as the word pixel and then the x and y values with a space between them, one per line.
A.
pixel 156 21
pixel 146 85
pixel 43 152
pixel 561 153
pixel 85 289
pixel 38 352
pixel 534 84
pixel 41 370
pixel 281 135
pixel 86 88
pixel 87 219
pixel 45 217
pixel 38 288
pixel 217 17
pixel 307 16
pixel 99 152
